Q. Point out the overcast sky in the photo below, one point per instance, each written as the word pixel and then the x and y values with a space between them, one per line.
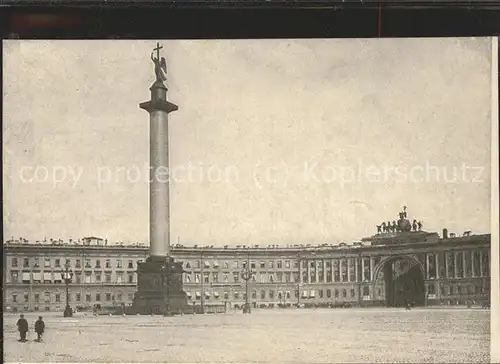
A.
pixel 332 117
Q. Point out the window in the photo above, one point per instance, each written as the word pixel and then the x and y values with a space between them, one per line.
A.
pixel 226 295
pixel 98 263
pixel 206 264
pixel 235 264
pixel 344 293
pixel 226 264
pixel 37 298
pixel 107 277
pixel 87 263
pixel 119 296
pixel 36 263
pixel 78 297
pixel 88 277
pixel 431 289
pixel 98 277
pixel 108 263
pixel 236 295
pixel 271 278
pixel 366 291
pixel 119 278
pixel 279 277
pixel 328 293
pixel 206 278
pixel 98 297
pixel 336 293
pixel 287 277
pixel 47 297
pixel 26 297
pixel 68 262
pixel 14 297
pixel 108 296
pixel 188 266
pixel 287 264
pixel 254 294
pixel 215 277
pixel 88 298
pixel 280 264
pixel 320 293
pixel 187 278
pixel 57 263
pixel 353 293
pixel 58 297
pixel 262 265
pixel 46 263
pixel 130 278
pixel 26 263
pixel 252 265
pixel 226 277
pixel 14 262
pixel 295 263
pixel 14 277
pixel 130 264
pixel 262 294
pixel 271 294
pixel 78 263
pixel 236 277
pixel 270 264
pixel 197 278
pixel 78 276
pixel 119 263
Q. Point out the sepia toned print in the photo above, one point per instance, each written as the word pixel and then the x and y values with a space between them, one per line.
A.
pixel 288 201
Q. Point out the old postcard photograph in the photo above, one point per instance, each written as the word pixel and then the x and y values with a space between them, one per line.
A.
pixel 244 201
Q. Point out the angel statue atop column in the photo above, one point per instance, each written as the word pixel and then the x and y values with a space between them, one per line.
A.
pixel 160 64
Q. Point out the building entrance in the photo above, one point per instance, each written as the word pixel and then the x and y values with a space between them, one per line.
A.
pixel 403 281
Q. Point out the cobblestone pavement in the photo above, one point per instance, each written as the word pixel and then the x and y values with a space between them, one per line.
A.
pixel 272 336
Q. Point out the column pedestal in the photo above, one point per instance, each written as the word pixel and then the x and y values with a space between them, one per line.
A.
pixel 159 288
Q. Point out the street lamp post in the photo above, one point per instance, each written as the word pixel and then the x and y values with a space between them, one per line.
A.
pixel 67 276
pixel 246 275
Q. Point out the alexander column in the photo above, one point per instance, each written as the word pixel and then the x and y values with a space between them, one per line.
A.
pixel 159 278
pixel 159 108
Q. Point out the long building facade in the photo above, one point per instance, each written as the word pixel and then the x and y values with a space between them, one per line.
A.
pixel 422 268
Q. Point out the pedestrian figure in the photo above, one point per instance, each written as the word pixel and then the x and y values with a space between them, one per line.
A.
pixel 22 327
pixel 39 328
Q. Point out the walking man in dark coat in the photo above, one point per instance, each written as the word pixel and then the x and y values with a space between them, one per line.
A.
pixel 22 327
pixel 39 328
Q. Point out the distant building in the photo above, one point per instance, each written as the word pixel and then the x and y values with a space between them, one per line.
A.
pixel 438 271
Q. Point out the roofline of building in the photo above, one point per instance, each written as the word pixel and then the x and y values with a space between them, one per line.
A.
pixel 245 250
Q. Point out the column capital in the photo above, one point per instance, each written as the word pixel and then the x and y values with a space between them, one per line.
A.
pixel 158 105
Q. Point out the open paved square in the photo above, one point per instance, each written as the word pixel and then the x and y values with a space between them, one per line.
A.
pixel 266 336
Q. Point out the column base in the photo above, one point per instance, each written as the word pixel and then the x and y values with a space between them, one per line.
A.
pixel 159 289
